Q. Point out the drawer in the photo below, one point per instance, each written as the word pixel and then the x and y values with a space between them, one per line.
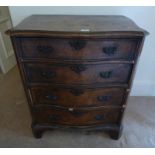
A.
pixel 77 97
pixel 107 49
pixel 78 73
pixel 77 117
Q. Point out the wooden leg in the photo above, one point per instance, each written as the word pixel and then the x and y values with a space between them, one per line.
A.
pixel 37 132
pixel 116 134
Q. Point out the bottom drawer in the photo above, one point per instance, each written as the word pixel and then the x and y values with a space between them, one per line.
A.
pixel 77 117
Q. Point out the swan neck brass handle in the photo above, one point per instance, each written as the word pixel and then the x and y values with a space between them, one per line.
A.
pixel 78 68
pixel 109 50
pixel 77 44
pixel 106 74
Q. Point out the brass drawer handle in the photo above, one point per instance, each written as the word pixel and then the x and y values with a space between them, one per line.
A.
pixel 106 75
pixel 103 98
pixel 99 117
pixel 77 44
pixel 44 49
pixel 78 68
pixel 48 74
pixel 51 97
pixel 109 50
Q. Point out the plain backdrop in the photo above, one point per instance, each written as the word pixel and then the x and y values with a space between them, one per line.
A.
pixel 144 82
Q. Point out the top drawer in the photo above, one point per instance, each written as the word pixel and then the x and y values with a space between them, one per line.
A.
pixel 105 49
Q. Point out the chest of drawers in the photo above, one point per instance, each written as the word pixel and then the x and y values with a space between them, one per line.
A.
pixel 77 71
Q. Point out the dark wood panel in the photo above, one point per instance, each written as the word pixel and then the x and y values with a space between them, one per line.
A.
pixel 79 24
pixel 78 73
pixel 76 97
pixel 77 117
pixel 66 52
pixel 111 49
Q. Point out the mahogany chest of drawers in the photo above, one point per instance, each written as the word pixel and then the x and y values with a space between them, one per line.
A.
pixel 77 71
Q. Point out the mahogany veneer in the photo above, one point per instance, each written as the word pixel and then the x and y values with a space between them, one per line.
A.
pixel 77 71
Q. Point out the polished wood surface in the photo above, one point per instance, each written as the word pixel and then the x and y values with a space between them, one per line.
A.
pixel 81 49
pixel 77 117
pixel 77 71
pixel 77 24
pixel 92 97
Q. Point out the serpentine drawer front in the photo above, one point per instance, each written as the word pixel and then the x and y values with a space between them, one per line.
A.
pixel 77 71
pixel 78 97
pixel 78 117
pixel 45 47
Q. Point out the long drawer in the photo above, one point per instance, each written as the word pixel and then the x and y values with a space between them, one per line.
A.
pixel 77 117
pixel 78 73
pixel 106 49
pixel 77 97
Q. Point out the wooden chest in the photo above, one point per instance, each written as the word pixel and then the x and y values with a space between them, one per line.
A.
pixel 77 71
